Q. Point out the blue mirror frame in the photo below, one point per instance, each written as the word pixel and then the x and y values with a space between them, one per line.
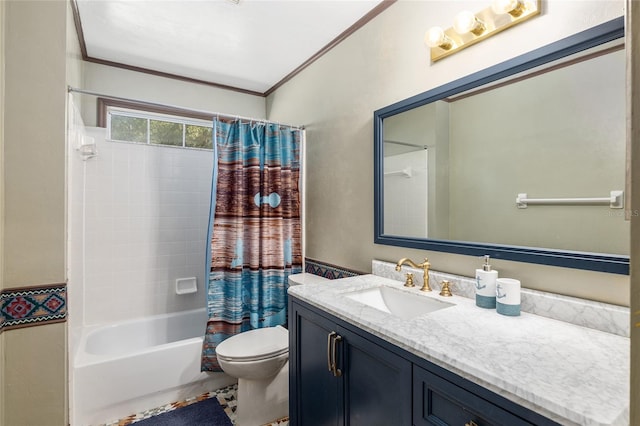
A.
pixel 592 37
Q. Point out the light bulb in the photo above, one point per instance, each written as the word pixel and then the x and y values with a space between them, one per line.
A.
pixel 436 37
pixel 466 22
pixel 512 7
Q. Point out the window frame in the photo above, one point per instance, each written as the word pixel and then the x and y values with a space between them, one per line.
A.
pixel 149 112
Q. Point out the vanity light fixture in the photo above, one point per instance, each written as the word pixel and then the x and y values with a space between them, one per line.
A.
pixel 512 7
pixel 467 22
pixel 470 28
pixel 436 37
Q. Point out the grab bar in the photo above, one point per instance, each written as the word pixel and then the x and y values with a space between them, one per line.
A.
pixel 615 200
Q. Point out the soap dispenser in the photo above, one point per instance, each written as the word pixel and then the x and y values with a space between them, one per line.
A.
pixel 486 285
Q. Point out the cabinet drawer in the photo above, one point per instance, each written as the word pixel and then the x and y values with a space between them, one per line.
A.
pixel 437 401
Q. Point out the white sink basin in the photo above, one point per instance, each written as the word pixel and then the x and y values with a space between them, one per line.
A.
pixel 397 302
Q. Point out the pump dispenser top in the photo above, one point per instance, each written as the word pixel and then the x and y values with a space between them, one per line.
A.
pixel 486 266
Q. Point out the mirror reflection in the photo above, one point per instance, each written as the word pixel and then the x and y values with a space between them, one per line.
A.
pixel 454 167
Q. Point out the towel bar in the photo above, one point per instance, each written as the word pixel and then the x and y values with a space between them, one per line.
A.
pixel 615 200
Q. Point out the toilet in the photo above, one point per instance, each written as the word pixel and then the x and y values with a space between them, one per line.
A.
pixel 259 359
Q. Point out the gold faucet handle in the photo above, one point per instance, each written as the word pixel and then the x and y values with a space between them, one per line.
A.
pixel 445 291
pixel 409 281
pixel 425 265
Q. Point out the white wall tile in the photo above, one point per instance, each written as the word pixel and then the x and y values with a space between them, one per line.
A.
pixel 146 210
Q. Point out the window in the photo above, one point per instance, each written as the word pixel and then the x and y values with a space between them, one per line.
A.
pixel 132 122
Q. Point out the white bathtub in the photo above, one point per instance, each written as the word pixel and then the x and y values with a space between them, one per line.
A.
pixel 124 368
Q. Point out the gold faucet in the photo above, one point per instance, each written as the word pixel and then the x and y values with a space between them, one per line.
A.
pixel 425 269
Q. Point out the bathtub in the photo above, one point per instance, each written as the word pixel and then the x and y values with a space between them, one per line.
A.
pixel 124 368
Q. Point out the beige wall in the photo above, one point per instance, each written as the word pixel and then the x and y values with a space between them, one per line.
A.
pixel 2 181
pixel 146 87
pixel 34 249
pixel 35 376
pixel 633 70
pixel 384 62
pixel 548 137
pixel 34 371
pixel 2 363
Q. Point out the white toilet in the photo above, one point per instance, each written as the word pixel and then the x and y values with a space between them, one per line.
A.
pixel 259 359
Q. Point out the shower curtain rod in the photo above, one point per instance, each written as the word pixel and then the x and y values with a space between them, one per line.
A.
pixel 155 104
pixel 406 144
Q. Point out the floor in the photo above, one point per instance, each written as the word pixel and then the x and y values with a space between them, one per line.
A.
pixel 226 397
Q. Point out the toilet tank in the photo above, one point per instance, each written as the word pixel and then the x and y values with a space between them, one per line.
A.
pixel 305 278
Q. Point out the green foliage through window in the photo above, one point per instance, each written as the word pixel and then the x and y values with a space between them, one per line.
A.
pixel 160 130
pixel 131 129
pixel 198 136
pixel 165 132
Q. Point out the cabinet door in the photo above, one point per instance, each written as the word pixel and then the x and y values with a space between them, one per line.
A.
pixel 313 389
pixel 437 401
pixel 377 383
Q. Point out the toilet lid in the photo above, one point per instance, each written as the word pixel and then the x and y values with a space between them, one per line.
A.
pixel 255 344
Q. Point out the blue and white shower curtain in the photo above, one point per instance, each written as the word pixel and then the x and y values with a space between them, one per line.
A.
pixel 254 229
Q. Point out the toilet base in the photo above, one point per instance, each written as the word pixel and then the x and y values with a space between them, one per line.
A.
pixel 263 401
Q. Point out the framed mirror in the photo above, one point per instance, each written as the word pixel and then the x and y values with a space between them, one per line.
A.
pixel 522 161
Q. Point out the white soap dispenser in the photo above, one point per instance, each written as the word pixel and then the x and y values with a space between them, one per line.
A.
pixel 486 285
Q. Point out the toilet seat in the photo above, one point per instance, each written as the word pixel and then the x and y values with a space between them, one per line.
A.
pixel 255 345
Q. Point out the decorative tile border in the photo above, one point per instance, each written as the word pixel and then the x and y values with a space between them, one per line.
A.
pixel 586 313
pixel 26 307
pixel 327 270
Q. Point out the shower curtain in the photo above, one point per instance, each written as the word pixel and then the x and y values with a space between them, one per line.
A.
pixel 254 229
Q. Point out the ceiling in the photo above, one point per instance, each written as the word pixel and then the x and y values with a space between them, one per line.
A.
pixel 252 46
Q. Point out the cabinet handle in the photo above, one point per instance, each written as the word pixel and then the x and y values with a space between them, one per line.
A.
pixel 329 351
pixel 471 423
pixel 336 371
pixel 332 338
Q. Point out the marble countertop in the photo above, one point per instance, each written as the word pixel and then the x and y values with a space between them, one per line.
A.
pixel 571 374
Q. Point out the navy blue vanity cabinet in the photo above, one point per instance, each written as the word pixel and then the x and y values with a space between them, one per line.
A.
pixel 313 389
pixel 377 383
pixel 437 401
pixel 337 377
pixel 341 375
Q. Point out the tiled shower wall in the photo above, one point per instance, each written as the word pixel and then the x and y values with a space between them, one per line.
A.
pixel 145 225
pixel 406 197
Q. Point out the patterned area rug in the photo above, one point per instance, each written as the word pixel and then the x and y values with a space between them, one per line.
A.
pixel 203 413
pixel 226 397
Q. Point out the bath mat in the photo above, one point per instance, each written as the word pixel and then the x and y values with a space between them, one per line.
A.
pixel 203 413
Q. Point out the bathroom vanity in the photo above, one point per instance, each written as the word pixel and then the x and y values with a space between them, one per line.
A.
pixel 444 361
